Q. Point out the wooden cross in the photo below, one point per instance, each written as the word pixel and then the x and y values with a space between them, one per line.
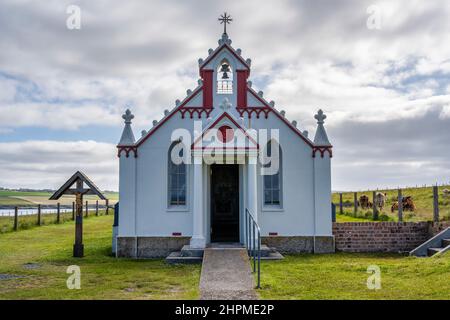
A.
pixel 225 19
pixel 79 179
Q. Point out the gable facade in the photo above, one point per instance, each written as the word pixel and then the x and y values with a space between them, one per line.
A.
pixel 221 130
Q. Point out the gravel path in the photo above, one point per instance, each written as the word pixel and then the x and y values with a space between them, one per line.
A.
pixel 226 274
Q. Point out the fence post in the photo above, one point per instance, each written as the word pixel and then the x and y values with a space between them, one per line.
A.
pixel 107 206
pixel 400 205
pixel 39 215
pixel 87 209
pixel 96 207
pixel 73 210
pixel 355 202
pixel 58 213
pixel 374 206
pixel 16 222
pixel 435 204
pixel 341 211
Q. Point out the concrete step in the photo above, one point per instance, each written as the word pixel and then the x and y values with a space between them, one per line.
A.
pixel 445 243
pixel 187 251
pixel 176 257
pixel 265 251
pixel 433 251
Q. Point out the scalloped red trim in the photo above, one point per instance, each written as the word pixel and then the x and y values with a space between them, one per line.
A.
pixel 322 151
pixel 193 110
pixel 255 110
pixel 127 150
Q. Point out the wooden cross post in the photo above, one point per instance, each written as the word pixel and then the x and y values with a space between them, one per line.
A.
pixel 355 202
pixel 341 211
pixel 400 205
pixel 78 247
pixel 79 179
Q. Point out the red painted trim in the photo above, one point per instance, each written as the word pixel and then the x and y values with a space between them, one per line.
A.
pixel 127 150
pixel 217 52
pixel 281 117
pixel 322 150
pixel 255 110
pixel 153 130
pixel 242 76
pixel 207 76
pixel 225 114
pixel 193 110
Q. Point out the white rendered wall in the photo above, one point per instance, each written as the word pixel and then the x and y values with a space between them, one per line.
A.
pixel 322 186
pixel 127 192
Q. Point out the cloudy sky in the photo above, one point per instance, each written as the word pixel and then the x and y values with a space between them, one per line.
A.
pixel 379 69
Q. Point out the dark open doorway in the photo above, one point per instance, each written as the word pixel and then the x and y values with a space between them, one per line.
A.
pixel 225 203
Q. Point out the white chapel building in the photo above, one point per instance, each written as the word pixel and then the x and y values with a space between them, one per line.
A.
pixel 222 151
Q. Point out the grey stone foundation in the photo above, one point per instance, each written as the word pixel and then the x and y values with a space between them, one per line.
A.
pixel 149 247
pixel 300 244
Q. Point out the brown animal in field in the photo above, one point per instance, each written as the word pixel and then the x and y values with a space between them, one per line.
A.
pixel 380 200
pixel 407 202
pixel 446 193
pixel 364 202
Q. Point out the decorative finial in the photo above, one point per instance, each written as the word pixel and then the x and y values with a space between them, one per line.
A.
pixel 177 102
pixel 305 133
pixel 272 103
pixel 225 19
pixel 321 137
pixel 200 82
pixel 155 122
pixel 239 51
pixel 166 113
pixel 143 132
pixel 128 116
pixel 283 113
pixel 249 84
pixel 260 93
pixel 294 123
pixel 225 105
pixel 210 51
pixel 320 117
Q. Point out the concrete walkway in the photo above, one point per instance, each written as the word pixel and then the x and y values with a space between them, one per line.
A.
pixel 226 274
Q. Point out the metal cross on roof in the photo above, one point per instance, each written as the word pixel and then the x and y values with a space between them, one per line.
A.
pixel 225 19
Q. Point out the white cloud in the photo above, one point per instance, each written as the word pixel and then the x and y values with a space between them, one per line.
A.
pixel 306 55
pixel 39 164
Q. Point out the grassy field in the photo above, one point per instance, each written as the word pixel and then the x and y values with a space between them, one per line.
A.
pixel 40 258
pixel 344 276
pixel 422 197
pixel 32 198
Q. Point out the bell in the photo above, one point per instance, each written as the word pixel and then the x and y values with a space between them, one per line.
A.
pixel 225 68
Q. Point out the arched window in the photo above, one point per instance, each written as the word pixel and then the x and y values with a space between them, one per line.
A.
pixel 272 184
pixel 224 78
pixel 177 180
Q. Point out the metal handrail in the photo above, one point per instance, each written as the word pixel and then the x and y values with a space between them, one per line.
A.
pixel 253 244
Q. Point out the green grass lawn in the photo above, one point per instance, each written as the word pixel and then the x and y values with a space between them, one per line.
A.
pixel 331 276
pixel 344 276
pixel 422 197
pixel 102 276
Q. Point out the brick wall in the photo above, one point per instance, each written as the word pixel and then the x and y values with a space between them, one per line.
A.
pixel 383 236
